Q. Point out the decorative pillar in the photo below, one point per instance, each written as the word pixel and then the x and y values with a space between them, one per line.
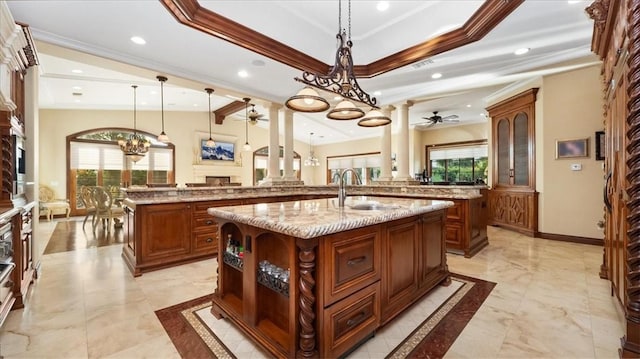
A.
pixel 385 151
pixel 402 156
pixel 288 175
pixel 274 147
pixel 631 340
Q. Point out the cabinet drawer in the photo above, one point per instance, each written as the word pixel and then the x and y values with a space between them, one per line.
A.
pixel 204 224
pixel 205 243
pixel 351 320
pixel 200 208
pixel 353 263
pixel 455 213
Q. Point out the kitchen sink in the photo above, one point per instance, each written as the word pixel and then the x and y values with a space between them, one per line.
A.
pixel 373 207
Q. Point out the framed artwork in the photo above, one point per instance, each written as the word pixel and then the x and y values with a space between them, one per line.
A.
pixel 572 148
pixel 222 151
pixel 600 145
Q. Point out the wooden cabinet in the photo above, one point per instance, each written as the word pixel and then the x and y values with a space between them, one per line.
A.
pixel 23 255
pixel 615 41
pixel 513 197
pixel 413 261
pixel 341 287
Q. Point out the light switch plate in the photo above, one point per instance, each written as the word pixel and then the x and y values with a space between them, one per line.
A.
pixel 576 167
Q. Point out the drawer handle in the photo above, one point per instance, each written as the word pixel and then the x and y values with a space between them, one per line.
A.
pixel 209 240
pixel 209 222
pixel 356 260
pixel 356 319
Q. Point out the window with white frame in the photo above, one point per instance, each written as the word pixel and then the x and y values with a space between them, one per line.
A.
pixel 366 165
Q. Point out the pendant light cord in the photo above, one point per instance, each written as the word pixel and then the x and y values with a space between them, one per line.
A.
pixel 162 103
pixel 135 87
pixel 209 91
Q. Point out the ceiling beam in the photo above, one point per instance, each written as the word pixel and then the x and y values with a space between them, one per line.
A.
pixel 227 110
pixel 487 17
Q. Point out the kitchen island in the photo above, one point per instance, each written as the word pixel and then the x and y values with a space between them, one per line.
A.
pixel 166 227
pixel 308 278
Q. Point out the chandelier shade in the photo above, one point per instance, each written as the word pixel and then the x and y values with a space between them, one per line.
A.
pixel 374 118
pixel 345 110
pixel 163 136
pixel 341 80
pixel 307 100
pixel 210 141
pixel 136 146
pixel 247 146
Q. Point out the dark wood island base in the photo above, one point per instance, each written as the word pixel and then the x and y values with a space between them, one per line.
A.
pixel 347 284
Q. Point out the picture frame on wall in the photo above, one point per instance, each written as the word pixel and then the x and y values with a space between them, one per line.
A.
pixel 222 151
pixel 572 148
pixel 600 146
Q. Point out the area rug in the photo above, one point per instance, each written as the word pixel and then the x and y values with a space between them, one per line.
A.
pixel 68 235
pixel 427 330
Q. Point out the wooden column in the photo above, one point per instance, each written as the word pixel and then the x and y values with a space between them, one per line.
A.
pixel 308 346
pixel 631 340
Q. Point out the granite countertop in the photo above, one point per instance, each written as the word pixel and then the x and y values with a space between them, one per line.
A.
pixel 144 196
pixel 314 218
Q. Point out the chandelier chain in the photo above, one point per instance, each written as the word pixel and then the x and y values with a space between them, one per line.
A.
pixel 339 16
pixel 349 1
pixel 135 87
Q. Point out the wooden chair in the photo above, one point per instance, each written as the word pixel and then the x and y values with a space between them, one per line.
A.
pixel 50 205
pixel 106 211
pixel 86 197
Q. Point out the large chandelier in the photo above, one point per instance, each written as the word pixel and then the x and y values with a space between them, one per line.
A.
pixel 342 81
pixel 312 160
pixel 136 146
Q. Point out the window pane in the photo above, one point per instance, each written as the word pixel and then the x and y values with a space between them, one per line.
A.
pixel 438 170
pixel 465 172
pixel 84 178
pixel 111 178
pixel 139 177
pixel 159 176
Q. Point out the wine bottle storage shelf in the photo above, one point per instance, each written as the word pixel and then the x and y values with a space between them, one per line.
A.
pixel 273 283
pixel 233 260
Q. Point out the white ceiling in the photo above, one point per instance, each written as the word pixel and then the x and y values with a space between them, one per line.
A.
pixel 558 32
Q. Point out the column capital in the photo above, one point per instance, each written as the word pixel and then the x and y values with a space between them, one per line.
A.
pixel 388 108
pixel 274 105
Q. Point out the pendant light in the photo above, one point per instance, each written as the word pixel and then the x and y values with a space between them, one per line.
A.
pixel 163 136
pixel 312 160
pixel 136 146
pixel 374 118
pixel 247 146
pixel 210 141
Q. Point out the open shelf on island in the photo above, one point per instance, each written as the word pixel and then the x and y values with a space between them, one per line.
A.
pixel 233 260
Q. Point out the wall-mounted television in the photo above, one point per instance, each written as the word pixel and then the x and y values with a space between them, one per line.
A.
pixel 222 151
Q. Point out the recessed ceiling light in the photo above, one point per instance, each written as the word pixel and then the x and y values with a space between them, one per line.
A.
pixel 382 5
pixel 243 74
pixel 377 93
pixel 437 75
pixel 77 88
pixel 195 105
pixel 76 101
pixel 522 51
pixel 468 105
pixel 143 103
pixel 257 63
pixel 138 40
pixel 153 92
pixel 337 98
pixel 76 71
pixel 574 1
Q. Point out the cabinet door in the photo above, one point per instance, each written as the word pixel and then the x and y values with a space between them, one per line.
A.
pixel 400 252
pixel 503 152
pixel 433 255
pixel 167 232
pixel 520 173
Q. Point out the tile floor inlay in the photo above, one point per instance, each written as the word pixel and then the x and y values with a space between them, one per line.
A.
pixel 408 333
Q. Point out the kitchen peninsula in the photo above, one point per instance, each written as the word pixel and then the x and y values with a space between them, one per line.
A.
pixel 310 278
pixel 170 226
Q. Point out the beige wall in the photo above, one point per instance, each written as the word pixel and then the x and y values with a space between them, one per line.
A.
pixel 182 128
pixel 571 201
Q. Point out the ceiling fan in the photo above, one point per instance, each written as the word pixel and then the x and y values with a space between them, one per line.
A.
pixel 432 120
pixel 254 116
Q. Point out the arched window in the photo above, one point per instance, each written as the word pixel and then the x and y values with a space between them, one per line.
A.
pixel 95 159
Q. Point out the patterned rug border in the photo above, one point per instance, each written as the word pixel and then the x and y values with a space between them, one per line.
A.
pixel 435 335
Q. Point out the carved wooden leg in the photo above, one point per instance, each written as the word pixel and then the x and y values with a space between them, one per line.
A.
pixel 307 338
pixel 631 341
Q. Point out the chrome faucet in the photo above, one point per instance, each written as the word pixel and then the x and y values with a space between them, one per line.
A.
pixel 342 191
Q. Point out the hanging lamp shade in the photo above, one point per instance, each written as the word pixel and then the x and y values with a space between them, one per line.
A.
pixel 374 118
pixel 307 100
pixel 163 136
pixel 210 141
pixel 345 110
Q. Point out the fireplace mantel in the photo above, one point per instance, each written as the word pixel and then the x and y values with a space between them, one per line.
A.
pixel 200 172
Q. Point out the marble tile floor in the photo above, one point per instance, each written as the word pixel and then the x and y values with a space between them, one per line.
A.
pixel 548 303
